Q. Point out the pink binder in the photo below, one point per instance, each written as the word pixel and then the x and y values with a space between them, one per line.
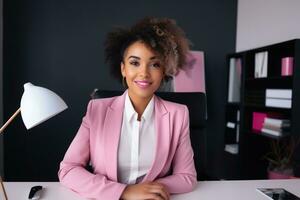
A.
pixel 192 78
pixel 258 120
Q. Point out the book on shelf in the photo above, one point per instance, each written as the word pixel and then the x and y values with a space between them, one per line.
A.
pixel 273 132
pixel 279 93
pixel 237 115
pixel 230 125
pixel 277 122
pixel 234 81
pixel 261 65
pixel 237 135
pixel 279 98
pixel 258 120
pixel 232 148
pixel 276 128
pixel 278 103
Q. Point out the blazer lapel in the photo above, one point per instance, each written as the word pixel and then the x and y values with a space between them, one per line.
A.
pixel 112 130
pixel 162 128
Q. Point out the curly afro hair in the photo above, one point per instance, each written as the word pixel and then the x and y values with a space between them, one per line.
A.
pixel 162 35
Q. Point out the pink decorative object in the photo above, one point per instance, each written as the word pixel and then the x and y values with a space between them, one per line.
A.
pixel 294 177
pixel 277 175
pixel 287 64
pixel 258 120
pixel 192 78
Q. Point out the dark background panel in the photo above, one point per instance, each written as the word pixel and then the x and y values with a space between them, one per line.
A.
pixel 1 86
pixel 58 44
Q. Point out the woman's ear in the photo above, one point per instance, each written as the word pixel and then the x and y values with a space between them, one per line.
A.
pixel 123 69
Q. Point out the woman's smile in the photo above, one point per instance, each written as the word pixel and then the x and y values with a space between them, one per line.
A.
pixel 144 84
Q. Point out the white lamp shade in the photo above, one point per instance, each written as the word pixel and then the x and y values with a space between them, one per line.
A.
pixel 38 104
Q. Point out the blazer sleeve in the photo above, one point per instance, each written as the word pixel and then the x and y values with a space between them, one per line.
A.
pixel 72 172
pixel 184 176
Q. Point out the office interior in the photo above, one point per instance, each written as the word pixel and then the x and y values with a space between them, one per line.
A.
pixel 59 45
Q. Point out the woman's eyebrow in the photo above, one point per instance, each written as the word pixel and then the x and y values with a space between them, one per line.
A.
pixel 153 58
pixel 134 57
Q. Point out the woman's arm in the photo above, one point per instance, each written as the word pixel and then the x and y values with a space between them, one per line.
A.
pixel 184 176
pixel 73 174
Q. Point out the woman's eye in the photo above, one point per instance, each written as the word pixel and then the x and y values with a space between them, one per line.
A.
pixel 135 63
pixel 156 65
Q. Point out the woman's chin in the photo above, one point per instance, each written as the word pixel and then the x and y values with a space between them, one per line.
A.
pixel 142 93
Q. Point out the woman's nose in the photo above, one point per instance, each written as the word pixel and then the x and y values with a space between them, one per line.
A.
pixel 144 70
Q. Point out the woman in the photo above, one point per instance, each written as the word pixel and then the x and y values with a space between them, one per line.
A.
pixel 138 144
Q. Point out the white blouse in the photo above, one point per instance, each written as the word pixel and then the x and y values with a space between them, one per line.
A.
pixel 136 144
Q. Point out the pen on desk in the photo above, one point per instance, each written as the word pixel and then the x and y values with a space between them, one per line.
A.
pixel 3 189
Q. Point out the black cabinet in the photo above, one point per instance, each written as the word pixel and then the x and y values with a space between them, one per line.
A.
pixel 260 86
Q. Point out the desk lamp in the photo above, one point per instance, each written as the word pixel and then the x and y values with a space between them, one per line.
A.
pixel 38 104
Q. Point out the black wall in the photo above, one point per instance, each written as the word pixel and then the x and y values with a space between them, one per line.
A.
pixel 58 44
pixel 1 84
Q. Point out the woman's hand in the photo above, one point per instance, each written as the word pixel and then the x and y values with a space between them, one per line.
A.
pixel 148 190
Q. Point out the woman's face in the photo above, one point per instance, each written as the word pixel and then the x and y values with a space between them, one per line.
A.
pixel 142 69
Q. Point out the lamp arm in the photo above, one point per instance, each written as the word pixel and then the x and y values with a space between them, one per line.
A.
pixel 3 189
pixel 1 130
pixel 10 120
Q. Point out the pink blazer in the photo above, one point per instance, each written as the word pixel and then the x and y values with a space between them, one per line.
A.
pixel 97 142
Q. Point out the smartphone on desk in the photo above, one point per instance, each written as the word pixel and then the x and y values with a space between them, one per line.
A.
pixel 277 194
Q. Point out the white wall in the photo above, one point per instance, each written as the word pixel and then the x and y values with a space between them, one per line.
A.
pixel 263 22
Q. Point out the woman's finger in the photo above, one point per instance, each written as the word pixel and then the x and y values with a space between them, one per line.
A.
pixel 160 192
pixel 160 186
pixel 153 196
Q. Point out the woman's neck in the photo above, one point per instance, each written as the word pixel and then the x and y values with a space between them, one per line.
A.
pixel 139 103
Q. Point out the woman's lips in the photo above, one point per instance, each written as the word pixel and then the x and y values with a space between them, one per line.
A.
pixel 143 84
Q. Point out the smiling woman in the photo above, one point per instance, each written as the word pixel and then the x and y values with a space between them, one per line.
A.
pixel 138 144
pixel 143 73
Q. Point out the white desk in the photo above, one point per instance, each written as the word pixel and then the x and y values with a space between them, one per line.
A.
pixel 206 190
pixel 237 190
pixel 51 191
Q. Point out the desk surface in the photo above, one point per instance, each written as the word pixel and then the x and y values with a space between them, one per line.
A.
pixel 207 190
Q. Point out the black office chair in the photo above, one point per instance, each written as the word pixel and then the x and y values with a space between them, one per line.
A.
pixel 196 102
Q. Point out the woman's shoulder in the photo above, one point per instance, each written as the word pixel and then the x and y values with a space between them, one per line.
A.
pixel 95 105
pixel 172 106
pixel 103 101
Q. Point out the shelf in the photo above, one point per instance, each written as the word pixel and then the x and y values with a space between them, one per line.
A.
pixel 259 133
pixel 234 155
pixel 266 79
pixel 270 82
pixel 266 108
pixel 252 95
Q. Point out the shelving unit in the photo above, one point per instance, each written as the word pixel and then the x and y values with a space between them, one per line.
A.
pixel 253 144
